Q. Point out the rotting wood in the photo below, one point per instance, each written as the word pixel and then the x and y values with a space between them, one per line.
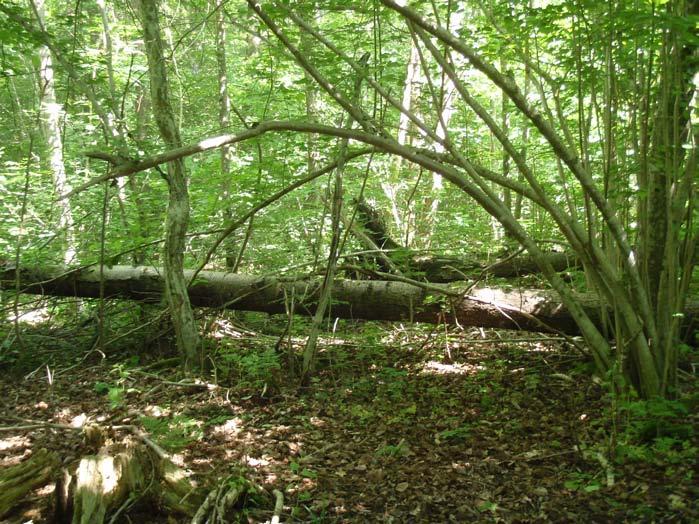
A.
pixel 120 476
pixel 18 480
pixel 443 268
pixel 529 310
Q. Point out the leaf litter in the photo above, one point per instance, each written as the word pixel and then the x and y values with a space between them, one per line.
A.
pixel 403 430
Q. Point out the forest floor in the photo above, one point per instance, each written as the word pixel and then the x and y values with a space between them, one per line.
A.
pixel 399 425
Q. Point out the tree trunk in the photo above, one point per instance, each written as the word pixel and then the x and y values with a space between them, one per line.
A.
pixel 372 300
pixel 51 112
pixel 178 205
pixel 443 268
pixel 224 120
pixel 100 484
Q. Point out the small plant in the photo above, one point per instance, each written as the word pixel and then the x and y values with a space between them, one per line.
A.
pixel 361 413
pixel 582 482
pixel 455 435
pixel 101 388
pixel 296 468
pixel 392 383
pixel 173 434
pixel 115 393
pixel 255 369
pixel 488 505
pixel 399 450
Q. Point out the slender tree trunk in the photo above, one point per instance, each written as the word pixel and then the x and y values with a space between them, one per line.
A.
pixel 312 100
pixel 139 186
pixel 51 112
pixel 114 115
pixel 224 120
pixel 309 353
pixel 671 182
pixel 391 189
pixel 178 203
pixel 446 108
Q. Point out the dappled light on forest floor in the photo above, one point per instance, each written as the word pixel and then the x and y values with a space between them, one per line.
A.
pixel 445 369
pixel 31 317
pixel 507 431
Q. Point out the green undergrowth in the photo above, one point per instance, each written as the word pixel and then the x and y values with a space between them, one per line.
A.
pixel 406 394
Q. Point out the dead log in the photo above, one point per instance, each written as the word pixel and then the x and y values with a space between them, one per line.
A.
pixel 531 310
pixel 521 309
pixel 442 268
pixel 452 269
pixel 18 480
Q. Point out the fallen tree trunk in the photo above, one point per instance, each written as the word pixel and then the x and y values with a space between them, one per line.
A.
pixel 531 310
pixel 441 268
pixel 452 269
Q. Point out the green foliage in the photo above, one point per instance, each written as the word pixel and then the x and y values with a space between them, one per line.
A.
pixel 655 418
pixel 174 433
pixel 459 434
pixel 488 505
pixel 362 414
pixel 394 451
pixel 657 431
pixel 585 482
pixel 391 383
pixel 101 388
pixel 251 368
pixel 297 469
pixel 115 396
pixel 114 393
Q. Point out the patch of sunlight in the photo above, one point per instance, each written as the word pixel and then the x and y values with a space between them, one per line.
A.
pixel 543 347
pixel 258 462
pixel 110 475
pixel 230 428
pixel 178 460
pixel 227 329
pixel 156 411
pixel 48 489
pixel 65 415
pixel 333 341
pixel 271 478
pixel 201 461
pixel 13 442
pixel 294 448
pixel 33 317
pixel 98 467
pixel 438 368
pixel 79 421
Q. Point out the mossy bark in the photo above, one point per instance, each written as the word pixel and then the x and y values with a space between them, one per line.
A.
pixel 16 481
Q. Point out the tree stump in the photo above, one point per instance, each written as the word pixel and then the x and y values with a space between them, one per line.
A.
pixel 16 481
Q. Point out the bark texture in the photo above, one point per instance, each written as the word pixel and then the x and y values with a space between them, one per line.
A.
pixel 178 203
pixel 531 310
pixel 443 268
pixel 17 481
pixel 51 113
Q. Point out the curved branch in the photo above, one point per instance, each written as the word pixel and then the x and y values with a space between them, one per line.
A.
pixel 561 150
pixel 270 200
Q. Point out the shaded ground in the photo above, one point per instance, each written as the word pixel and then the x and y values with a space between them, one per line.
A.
pixel 399 426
